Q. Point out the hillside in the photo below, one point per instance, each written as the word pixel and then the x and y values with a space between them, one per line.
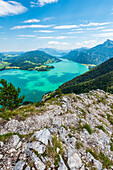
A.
pixel 95 55
pixel 100 77
pixel 70 132
pixel 32 60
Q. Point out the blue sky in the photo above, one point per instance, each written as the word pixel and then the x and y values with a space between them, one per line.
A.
pixel 64 24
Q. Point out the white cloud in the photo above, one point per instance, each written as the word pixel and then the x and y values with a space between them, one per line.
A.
pixel 97 28
pixel 49 18
pixel 89 43
pixel 42 2
pixel 77 32
pixel 4 38
pixel 30 26
pixel 107 30
pixel 11 8
pixel 45 37
pixel 65 27
pixel 94 24
pixel 57 38
pixel 44 31
pixel 81 25
pixel 27 36
pixel 108 35
pixel 32 21
pixel 57 43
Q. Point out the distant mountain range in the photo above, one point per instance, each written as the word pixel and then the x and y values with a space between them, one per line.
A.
pixel 100 77
pixel 95 55
pixel 54 51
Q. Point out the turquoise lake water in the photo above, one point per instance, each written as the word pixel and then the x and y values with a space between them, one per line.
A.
pixel 35 84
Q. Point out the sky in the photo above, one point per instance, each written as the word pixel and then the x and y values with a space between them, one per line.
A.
pixel 63 24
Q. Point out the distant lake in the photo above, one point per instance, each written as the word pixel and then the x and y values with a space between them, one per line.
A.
pixel 35 84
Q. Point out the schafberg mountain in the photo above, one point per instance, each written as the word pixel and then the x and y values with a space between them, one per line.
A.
pixel 100 77
pixel 95 55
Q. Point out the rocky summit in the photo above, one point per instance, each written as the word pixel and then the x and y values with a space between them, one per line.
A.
pixel 69 132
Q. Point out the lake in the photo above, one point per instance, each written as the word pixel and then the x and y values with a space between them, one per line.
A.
pixel 35 84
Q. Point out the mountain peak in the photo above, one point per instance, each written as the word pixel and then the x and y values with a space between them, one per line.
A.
pixel 108 42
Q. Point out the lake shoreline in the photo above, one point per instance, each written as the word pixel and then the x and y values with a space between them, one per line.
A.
pixel 34 84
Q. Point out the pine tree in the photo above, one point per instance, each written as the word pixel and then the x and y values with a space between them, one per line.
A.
pixel 9 96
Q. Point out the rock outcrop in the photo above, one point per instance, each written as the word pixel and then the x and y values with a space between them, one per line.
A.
pixel 71 132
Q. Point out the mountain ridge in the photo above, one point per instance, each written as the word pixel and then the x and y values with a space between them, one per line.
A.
pixel 95 55
pixel 86 81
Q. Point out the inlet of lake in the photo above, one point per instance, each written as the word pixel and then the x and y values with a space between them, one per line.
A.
pixel 34 84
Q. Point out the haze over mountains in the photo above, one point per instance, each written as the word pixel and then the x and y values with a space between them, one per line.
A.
pixel 54 51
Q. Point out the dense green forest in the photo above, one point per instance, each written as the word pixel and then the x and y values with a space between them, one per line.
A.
pixel 100 77
pixel 95 55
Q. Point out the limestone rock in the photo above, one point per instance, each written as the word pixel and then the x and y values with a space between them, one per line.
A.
pixel 19 165
pixel 16 140
pixel 27 168
pixel 38 163
pixel 1 156
pixel 62 164
pixel 37 146
pixel 95 163
pixel 74 161
pixel 1 143
pixel 43 136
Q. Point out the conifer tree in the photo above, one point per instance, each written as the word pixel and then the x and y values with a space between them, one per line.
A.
pixel 9 95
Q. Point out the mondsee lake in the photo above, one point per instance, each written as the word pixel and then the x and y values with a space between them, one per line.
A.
pixel 35 84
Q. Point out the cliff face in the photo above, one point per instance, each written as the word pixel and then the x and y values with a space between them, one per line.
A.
pixel 72 132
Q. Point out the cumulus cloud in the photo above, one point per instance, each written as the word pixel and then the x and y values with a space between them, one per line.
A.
pixel 32 21
pixel 30 26
pixel 42 2
pixel 11 8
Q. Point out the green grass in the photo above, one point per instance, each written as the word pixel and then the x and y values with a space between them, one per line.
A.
pixel 23 112
pixel 106 162
pixel 51 151
pixel 101 127
pixel 4 138
pixel 79 145
pixel 111 146
pixel 88 128
pixel 110 118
